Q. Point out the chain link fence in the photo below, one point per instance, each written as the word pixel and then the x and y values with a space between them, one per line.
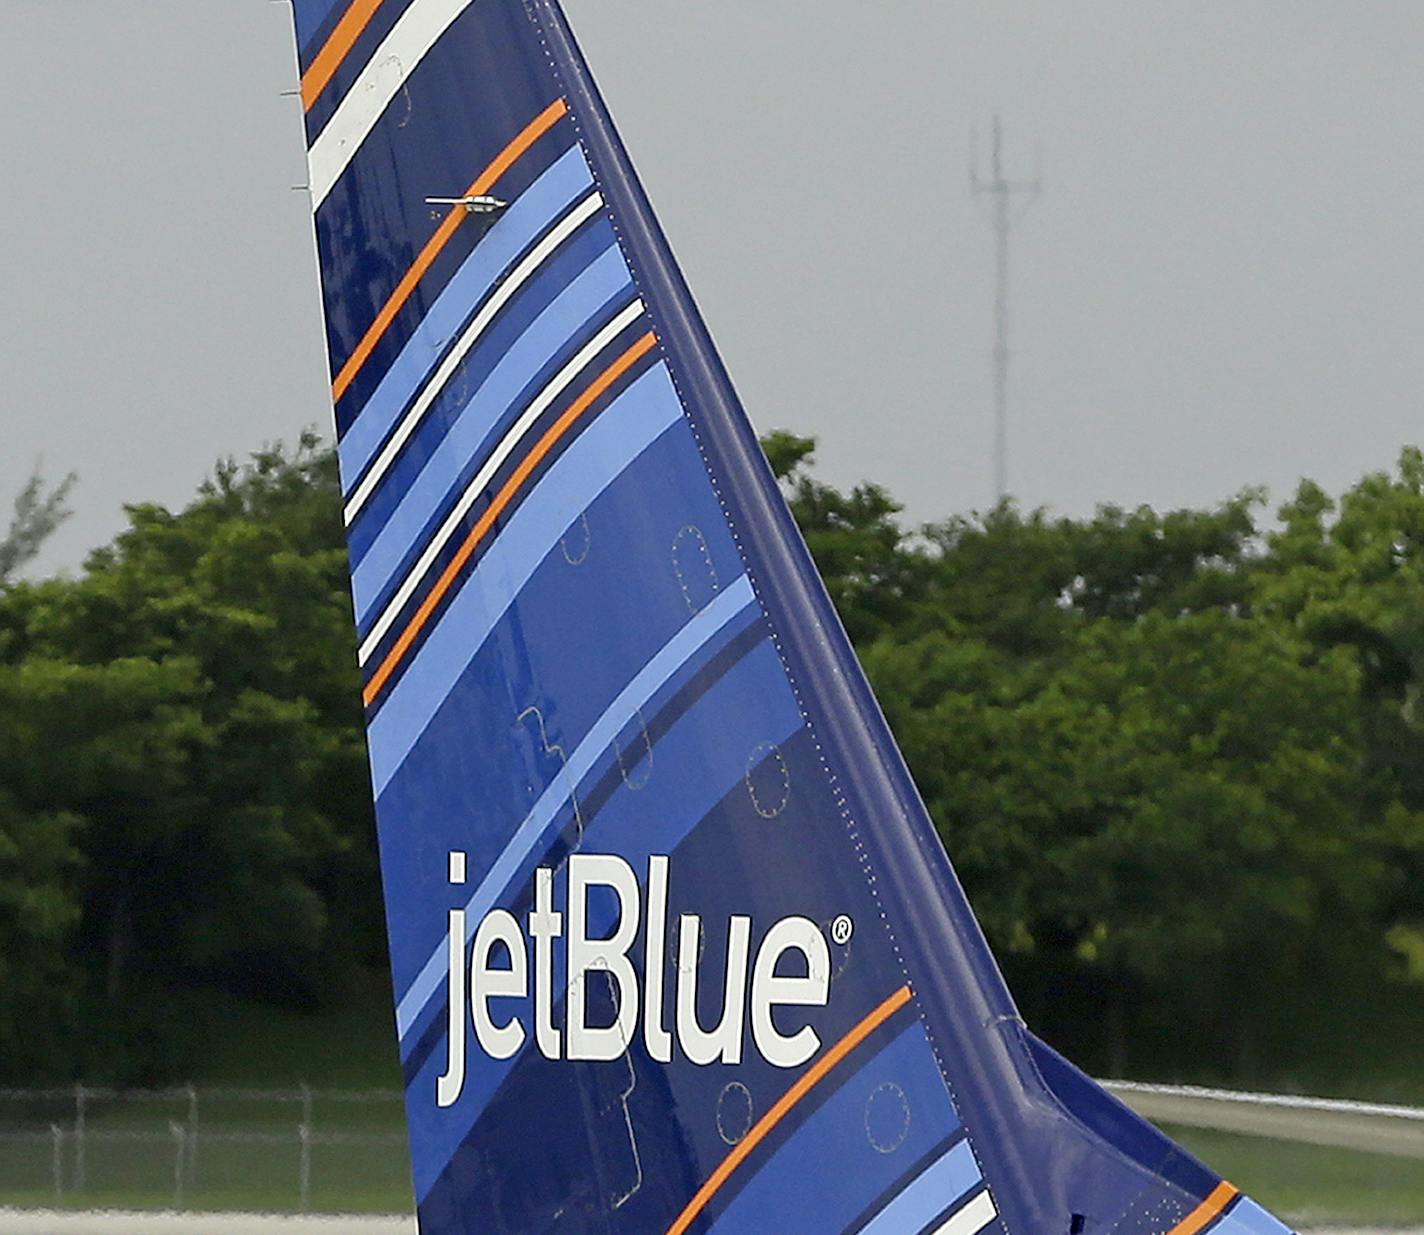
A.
pixel 192 1147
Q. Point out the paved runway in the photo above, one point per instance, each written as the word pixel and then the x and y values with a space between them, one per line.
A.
pixel 48 1222
pixel 1396 1131
pixel 42 1222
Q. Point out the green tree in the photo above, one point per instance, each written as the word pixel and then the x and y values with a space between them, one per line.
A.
pixel 39 912
pixel 192 699
pixel 871 568
pixel 1350 576
pixel 1164 801
pixel 38 512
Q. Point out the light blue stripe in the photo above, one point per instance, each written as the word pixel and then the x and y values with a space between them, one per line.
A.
pixel 310 15
pixel 829 1169
pixel 598 455
pixel 926 1198
pixel 567 318
pixel 673 655
pixel 527 217
pixel 1248 1218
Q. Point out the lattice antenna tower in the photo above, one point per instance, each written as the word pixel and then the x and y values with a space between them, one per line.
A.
pixel 1003 194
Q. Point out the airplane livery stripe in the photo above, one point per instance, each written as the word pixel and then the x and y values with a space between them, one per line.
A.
pixel 971 1219
pixel 502 499
pixel 412 37
pixel 589 564
pixel 481 185
pixel 921 1201
pixel 702 627
pixel 515 230
pixel 336 48
pixel 784 1105
pixel 861 1140
pixel 1220 1197
pixel 435 470
pixel 503 293
pixel 572 298
pixel 1247 1218
pixel 541 403
pixel 309 17
pixel 636 419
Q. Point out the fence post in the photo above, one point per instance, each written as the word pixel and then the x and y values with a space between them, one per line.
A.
pixel 180 1141
pixel 57 1133
pixel 192 1130
pixel 79 1105
pixel 305 1133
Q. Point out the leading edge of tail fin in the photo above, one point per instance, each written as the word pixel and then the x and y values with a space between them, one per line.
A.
pixel 675 946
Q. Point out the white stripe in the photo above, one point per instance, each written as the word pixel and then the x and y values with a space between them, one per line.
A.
pixel 418 30
pixel 973 1218
pixel 516 279
pixel 541 404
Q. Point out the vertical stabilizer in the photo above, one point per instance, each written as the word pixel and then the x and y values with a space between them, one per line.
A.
pixel 675 946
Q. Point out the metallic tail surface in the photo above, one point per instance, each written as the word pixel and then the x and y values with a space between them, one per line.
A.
pixel 675 946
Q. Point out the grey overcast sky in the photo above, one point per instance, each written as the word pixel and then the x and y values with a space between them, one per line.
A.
pixel 1222 285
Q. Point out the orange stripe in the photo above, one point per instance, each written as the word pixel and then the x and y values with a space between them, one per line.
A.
pixel 502 499
pixel 1221 1196
pixel 789 1099
pixel 318 76
pixel 507 157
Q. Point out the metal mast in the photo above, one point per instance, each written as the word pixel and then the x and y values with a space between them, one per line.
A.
pixel 1001 192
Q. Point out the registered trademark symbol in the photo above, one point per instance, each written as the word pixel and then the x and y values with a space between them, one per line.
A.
pixel 842 928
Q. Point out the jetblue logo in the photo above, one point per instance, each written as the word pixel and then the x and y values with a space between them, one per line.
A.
pixel 509 960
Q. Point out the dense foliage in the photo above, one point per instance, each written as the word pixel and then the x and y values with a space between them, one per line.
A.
pixel 180 733
pixel 1175 757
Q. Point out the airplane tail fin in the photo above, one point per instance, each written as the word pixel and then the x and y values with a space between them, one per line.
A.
pixel 674 943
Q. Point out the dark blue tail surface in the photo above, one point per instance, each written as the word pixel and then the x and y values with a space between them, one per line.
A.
pixel 674 943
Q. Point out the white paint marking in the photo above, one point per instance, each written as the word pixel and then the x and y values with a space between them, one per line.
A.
pixel 516 279
pixel 973 1218
pixel 496 460
pixel 418 30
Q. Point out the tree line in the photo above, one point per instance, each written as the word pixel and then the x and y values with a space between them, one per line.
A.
pixel 1175 758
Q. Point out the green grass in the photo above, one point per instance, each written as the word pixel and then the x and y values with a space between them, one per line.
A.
pixel 134 1164
pixel 348 1047
pixel 249 1151
pixel 1305 1183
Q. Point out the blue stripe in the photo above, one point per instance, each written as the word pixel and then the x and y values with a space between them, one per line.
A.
pixel 526 219
pixel 517 316
pixel 829 1170
pixel 675 653
pixel 704 756
pixel 717 734
pixel 567 317
pixel 927 1196
pixel 311 15
pixel 1248 1218
pixel 644 411
pixel 530 657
